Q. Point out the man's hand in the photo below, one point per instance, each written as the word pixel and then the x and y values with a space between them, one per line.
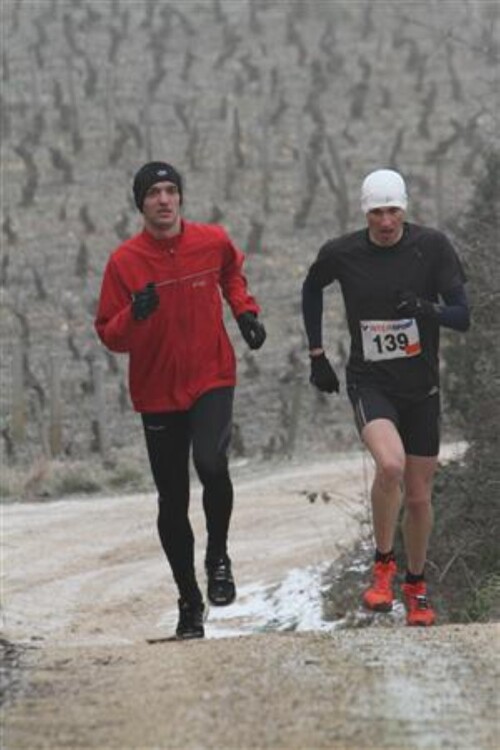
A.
pixel 411 306
pixel 323 375
pixel 144 302
pixel 251 329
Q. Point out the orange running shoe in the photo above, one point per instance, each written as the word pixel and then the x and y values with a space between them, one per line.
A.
pixel 379 596
pixel 418 609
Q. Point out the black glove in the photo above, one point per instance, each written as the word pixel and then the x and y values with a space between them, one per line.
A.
pixel 251 329
pixel 145 302
pixel 323 375
pixel 411 306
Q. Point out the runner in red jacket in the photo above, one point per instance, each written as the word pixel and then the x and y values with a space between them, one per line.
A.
pixel 161 303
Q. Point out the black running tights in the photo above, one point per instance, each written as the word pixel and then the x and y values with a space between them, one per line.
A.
pixel 206 427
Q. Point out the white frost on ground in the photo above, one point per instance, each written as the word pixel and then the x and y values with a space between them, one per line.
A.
pixel 295 604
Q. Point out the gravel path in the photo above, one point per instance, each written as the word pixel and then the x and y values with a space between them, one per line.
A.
pixel 85 587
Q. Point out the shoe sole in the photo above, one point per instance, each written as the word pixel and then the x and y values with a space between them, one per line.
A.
pixel 378 607
pixel 189 637
pixel 421 624
pixel 221 602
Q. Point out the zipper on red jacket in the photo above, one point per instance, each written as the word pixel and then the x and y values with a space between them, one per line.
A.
pixel 184 333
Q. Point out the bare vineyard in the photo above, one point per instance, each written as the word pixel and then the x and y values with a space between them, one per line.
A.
pixel 273 110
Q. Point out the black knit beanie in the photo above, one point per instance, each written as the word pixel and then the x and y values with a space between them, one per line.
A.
pixel 149 174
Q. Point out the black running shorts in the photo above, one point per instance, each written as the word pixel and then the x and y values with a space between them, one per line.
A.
pixel 418 422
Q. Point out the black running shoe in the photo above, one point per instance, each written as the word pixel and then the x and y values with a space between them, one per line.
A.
pixel 191 617
pixel 221 589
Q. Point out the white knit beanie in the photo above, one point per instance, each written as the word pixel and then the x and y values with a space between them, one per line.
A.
pixel 384 187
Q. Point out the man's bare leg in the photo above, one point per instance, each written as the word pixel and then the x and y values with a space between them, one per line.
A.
pixel 418 515
pixel 384 443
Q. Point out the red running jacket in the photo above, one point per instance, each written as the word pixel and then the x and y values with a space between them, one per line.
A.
pixel 182 350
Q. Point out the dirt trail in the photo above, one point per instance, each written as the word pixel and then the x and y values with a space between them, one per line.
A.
pixel 85 586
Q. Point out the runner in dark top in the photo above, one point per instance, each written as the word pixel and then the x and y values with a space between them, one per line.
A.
pixel 400 282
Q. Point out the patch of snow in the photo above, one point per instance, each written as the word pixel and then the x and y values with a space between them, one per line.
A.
pixel 295 604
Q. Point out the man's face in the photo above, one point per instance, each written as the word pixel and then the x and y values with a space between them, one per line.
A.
pixel 161 208
pixel 385 225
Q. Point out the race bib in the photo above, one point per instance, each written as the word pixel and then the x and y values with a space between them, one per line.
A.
pixel 390 339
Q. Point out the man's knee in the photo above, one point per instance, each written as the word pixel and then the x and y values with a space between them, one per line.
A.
pixel 172 509
pixel 210 465
pixel 418 503
pixel 418 481
pixel 390 469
